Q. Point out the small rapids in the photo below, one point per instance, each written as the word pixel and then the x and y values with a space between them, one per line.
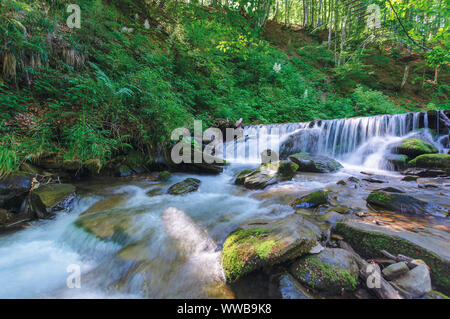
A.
pixel 131 239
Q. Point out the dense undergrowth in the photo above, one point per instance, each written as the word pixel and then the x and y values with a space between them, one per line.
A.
pixel 122 82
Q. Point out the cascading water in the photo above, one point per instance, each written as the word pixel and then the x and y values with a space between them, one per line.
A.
pixel 132 239
pixel 358 141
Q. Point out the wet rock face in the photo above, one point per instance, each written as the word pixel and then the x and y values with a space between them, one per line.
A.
pixel 13 190
pixel 414 147
pixel 298 142
pixel 266 174
pixel 311 200
pixel 189 185
pixel 395 270
pixel 334 270
pixel 264 243
pixel 415 283
pixel 315 163
pixel 47 199
pixel 397 162
pixel 403 204
pixel 432 161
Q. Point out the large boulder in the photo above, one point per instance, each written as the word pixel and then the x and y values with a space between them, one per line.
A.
pixel 333 271
pixel 264 243
pixel 47 199
pixel 402 203
pixel 414 147
pixel 315 163
pixel 311 200
pixel 189 185
pixel 303 140
pixel 432 161
pixel 13 190
pixel 415 283
pixel 267 174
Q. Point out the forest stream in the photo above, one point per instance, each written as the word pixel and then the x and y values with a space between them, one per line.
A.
pixel 133 239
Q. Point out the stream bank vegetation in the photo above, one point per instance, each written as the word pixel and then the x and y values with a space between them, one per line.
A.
pixel 113 90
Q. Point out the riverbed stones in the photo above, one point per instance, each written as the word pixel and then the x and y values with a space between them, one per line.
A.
pixel 415 283
pixel 394 271
pixel 402 203
pixel 414 147
pixel 311 200
pixel 431 246
pixel 315 163
pixel 264 243
pixel 333 271
pixel 186 186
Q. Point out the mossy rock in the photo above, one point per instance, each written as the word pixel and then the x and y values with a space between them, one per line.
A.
pixel 53 194
pixel 397 162
pixel 332 271
pixel 311 200
pixel 259 178
pixel 287 169
pixel 433 161
pixel 189 185
pixel 261 244
pixel 402 203
pixel 315 163
pixel 164 176
pixel 369 240
pixel 414 147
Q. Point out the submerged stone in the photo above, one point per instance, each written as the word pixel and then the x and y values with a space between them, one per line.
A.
pixel 255 245
pixel 189 185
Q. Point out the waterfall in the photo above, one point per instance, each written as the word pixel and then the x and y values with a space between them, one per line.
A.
pixel 359 141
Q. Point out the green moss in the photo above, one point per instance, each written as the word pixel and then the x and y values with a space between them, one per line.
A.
pixel 437 161
pixel 414 147
pixel 239 246
pixel 322 276
pixel 369 245
pixel 379 198
pixel 240 179
pixel 164 176
pixel 287 170
pixel 51 195
pixel 313 199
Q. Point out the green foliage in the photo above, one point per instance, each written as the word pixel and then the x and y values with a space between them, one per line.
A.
pixel 369 102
